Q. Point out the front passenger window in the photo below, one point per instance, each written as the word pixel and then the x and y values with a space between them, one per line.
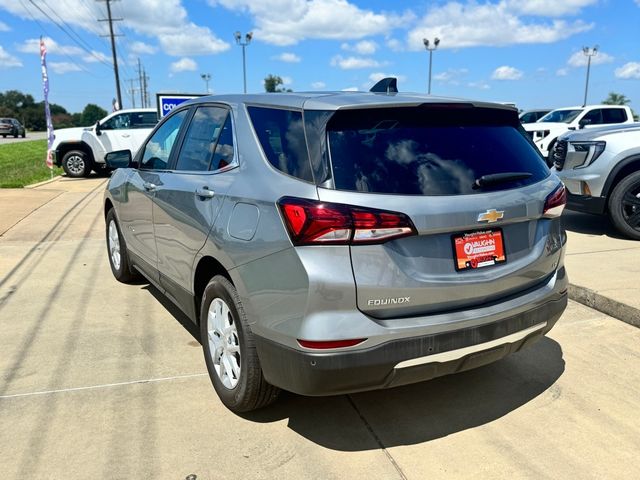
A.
pixel 158 149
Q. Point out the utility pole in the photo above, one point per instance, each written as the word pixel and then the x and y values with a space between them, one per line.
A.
pixel 110 19
pixel 145 80
pixel 141 84
pixel 132 92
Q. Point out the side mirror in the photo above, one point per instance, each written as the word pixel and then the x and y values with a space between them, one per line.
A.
pixel 584 122
pixel 118 159
pixel 98 131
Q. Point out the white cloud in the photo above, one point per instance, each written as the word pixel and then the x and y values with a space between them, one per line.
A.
pixel 286 81
pixel 579 59
pixel 141 48
pixel 287 57
pixel 7 60
pixel 629 70
pixel 395 45
pixel 318 85
pixel 365 47
pixel 97 57
pixel 349 89
pixel 4 27
pixel 63 67
pixel 185 64
pixel 352 63
pixel 377 76
pixel 549 8
pixel 309 19
pixel 166 20
pixel 32 45
pixel 488 24
pixel 192 40
pixel 506 72
pixel 562 72
pixel 451 76
pixel 481 85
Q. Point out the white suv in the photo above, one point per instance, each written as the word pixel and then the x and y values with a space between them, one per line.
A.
pixel 80 150
pixel 546 131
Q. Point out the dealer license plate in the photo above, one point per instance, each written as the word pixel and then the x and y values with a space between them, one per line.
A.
pixel 478 249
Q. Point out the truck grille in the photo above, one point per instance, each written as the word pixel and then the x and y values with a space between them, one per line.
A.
pixel 559 154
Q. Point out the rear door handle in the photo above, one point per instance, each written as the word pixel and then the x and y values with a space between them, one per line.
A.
pixel 149 187
pixel 205 192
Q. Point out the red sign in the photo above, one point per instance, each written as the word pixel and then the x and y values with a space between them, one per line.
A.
pixel 479 249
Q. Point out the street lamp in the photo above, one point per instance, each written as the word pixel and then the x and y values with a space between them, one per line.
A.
pixel 430 48
pixel 247 41
pixel 589 52
pixel 206 77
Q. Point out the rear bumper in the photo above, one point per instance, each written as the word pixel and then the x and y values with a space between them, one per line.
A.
pixel 582 203
pixel 408 360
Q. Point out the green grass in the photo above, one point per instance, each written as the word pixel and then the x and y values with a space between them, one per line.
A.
pixel 23 163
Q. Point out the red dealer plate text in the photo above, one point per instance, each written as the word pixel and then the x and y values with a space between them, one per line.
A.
pixel 478 249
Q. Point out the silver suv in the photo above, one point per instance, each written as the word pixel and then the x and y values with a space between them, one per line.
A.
pixel 337 242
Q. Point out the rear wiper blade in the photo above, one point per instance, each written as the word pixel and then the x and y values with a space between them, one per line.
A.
pixel 495 178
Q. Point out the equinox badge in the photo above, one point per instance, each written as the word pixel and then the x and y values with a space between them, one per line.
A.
pixel 388 301
pixel 491 216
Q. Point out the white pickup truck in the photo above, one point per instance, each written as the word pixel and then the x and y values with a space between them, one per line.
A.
pixel 80 150
pixel 546 131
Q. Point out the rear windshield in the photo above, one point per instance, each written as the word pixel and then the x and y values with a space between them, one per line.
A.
pixel 419 151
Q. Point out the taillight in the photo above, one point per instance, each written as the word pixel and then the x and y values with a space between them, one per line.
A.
pixel 555 202
pixel 311 222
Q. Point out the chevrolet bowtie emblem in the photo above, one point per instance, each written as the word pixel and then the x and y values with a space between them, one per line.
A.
pixel 491 216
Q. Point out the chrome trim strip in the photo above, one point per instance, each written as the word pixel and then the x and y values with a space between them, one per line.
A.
pixel 462 352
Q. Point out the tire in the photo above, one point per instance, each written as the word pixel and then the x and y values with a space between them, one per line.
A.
pixel 624 206
pixel 24 134
pixel 117 251
pixel 15 135
pixel 549 158
pixel 225 329
pixel 4 136
pixel 76 164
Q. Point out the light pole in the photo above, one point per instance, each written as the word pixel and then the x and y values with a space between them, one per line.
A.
pixel 589 52
pixel 247 41
pixel 430 48
pixel 206 77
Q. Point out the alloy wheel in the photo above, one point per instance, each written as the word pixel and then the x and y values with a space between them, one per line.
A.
pixel 224 343
pixel 114 245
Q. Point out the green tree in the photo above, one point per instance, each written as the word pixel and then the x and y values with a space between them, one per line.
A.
pixel 272 84
pixel 616 99
pixel 92 113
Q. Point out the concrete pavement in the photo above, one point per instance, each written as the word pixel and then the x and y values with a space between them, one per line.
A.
pixel 104 380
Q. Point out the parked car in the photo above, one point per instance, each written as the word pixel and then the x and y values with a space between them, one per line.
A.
pixel 601 170
pixel 531 116
pixel 546 131
pixel 80 150
pixel 340 242
pixel 11 126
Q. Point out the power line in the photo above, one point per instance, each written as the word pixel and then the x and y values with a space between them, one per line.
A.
pixel 61 27
pixel 110 19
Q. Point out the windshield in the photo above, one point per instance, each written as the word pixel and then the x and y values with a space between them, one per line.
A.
pixel 561 116
pixel 427 151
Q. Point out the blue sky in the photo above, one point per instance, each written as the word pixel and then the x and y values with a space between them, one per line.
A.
pixel 523 51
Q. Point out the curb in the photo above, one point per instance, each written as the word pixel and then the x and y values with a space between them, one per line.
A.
pixel 613 308
pixel 45 182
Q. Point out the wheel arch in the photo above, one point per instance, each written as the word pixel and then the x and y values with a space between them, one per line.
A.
pixel 621 170
pixel 66 147
pixel 207 268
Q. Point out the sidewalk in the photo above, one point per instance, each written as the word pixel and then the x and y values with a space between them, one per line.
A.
pixel 603 267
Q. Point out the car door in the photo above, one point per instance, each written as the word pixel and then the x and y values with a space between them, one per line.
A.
pixel 136 217
pixel 189 197
pixel 115 134
pixel 142 124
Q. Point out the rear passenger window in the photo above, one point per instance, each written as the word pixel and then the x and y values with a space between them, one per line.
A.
pixel 281 136
pixel 614 115
pixel 200 141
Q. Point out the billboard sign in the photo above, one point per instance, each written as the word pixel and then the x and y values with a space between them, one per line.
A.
pixel 168 101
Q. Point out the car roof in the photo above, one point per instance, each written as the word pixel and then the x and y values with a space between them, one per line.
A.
pixel 340 100
pixel 578 107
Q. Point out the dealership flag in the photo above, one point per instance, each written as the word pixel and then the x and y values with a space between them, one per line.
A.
pixel 47 112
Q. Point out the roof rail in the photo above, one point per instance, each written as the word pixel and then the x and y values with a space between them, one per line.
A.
pixel 386 85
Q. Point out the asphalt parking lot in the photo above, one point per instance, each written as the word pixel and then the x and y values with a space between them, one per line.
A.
pixel 104 380
pixel 29 137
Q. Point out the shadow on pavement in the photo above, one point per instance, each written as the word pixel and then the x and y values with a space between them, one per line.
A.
pixel 426 411
pixel 589 224
pixel 178 314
